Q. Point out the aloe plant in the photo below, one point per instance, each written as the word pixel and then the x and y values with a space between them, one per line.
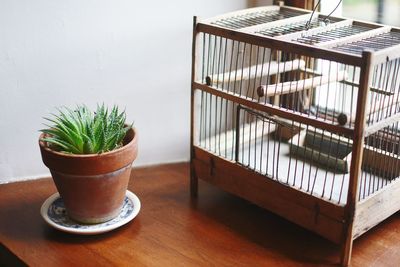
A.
pixel 82 131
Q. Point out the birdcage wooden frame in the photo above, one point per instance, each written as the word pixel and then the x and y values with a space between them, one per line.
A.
pixel 281 31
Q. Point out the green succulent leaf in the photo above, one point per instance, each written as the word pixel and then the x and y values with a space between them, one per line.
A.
pixel 81 131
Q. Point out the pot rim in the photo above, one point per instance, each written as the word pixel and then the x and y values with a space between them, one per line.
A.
pixel 130 143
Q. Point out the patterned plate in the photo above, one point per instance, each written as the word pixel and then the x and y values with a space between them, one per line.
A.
pixel 53 212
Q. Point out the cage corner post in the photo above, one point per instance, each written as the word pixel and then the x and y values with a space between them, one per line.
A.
pixel 357 151
pixel 193 176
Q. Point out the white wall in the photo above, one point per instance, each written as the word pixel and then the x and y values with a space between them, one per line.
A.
pixel 136 54
pixel 328 6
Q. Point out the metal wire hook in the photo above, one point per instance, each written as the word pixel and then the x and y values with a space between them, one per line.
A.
pixel 308 24
pixel 326 20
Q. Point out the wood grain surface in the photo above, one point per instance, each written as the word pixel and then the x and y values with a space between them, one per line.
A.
pixel 216 229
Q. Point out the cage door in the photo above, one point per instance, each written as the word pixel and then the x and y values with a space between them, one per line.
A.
pixel 257 142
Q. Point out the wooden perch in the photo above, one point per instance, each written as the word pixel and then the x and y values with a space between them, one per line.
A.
pixel 300 85
pixel 271 68
pixel 387 105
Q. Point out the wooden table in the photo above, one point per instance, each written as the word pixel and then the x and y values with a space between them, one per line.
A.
pixel 217 229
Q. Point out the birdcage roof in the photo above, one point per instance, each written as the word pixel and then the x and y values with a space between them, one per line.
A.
pixel 297 26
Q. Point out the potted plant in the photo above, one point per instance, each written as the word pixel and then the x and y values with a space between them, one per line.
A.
pixel 89 155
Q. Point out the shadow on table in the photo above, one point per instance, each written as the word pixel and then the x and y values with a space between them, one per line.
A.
pixel 265 228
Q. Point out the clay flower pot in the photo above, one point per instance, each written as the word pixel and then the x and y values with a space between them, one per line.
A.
pixel 92 186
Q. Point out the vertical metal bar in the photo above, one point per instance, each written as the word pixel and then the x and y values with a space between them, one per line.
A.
pixel 318 151
pixel 249 72
pixel 216 102
pixel 256 72
pixel 202 92
pixel 330 152
pixel 234 86
pixel 241 76
pixel 278 155
pixel 268 152
pixel 237 137
pixel 255 143
pixel 262 145
pixel 344 175
pixel 208 96
pixel 222 101
pixel 193 176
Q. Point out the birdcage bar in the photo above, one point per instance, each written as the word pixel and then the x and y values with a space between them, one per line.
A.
pixel 373 43
pixel 254 18
pixel 285 46
pixel 333 34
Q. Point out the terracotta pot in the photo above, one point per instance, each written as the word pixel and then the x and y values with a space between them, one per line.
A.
pixel 92 186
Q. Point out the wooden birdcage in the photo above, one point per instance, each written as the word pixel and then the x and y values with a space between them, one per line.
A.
pixel 299 115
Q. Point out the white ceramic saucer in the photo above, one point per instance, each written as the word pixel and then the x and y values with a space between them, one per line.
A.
pixel 53 212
